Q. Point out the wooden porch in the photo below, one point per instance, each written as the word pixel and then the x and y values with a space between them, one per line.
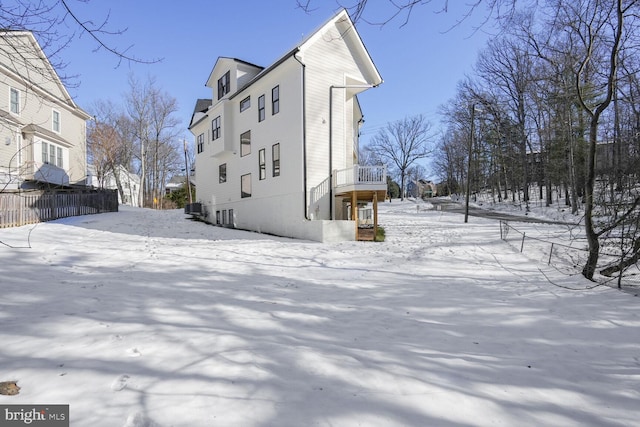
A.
pixel 359 185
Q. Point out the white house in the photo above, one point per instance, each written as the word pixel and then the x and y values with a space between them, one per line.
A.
pixel 277 147
pixel 42 130
pixel 128 190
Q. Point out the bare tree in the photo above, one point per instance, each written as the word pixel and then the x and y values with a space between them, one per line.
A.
pixel 402 143
pixel 401 10
pixel 57 23
pixel 154 126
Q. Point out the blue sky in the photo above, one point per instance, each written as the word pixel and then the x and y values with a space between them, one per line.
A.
pixel 420 62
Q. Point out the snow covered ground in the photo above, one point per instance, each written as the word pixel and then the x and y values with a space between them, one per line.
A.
pixel 143 318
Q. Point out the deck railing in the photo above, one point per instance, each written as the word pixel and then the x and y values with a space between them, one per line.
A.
pixel 360 175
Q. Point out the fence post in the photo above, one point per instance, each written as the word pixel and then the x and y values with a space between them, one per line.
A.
pixel 522 244
pixel 550 253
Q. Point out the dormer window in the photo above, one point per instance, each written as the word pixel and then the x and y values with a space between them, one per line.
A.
pixel 224 84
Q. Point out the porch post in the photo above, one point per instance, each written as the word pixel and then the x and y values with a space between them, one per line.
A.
pixel 354 210
pixel 375 215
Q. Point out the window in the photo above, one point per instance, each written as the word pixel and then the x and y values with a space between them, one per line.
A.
pixel 275 155
pixel 262 164
pixel 52 154
pixel 59 152
pixel 224 84
pixel 56 121
pixel 245 143
pixel 222 173
pixel 15 101
pixel 245 103
pixel 200 145
pixel 215 128
pixel 245 185
pixel 224 217
pixel 231 217
pixel 217 217
pixel 275 100
pixel 45 152
pixel 261 108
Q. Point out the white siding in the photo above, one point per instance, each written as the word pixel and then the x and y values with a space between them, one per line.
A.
pixel 283 205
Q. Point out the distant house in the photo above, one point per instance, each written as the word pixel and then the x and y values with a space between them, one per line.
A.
pixel 277 147
pixel 129 191
pixel 42 130
pixel 175 183
pixel 421 188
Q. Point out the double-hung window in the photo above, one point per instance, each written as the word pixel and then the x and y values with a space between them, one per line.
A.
pixel 275 100
pixel 200 145
pixel 215 128
pixel 55 121
pixel 15 101
pixel 224 84
pixel 59 157
pixel 245 143
pixel 262 164
pixel 222 173
pixel 45 152
pixel 261 108
pixel 245 185
pixel 275 156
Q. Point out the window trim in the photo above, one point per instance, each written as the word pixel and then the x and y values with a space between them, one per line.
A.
pixel 222 173
pixel 262 164
pixel 55 113
pixel 45 152
pixel 59 157
pixel 13 90
pixel 275 159
pixel 275 100
pixel 261 108
pixel 245 143
pixel 200 143
pixel 52 154
pixel 245 104
pixel 224 84
pixel 243 193
pixel 215 128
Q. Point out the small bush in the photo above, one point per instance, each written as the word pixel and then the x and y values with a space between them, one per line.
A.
pixel 379 237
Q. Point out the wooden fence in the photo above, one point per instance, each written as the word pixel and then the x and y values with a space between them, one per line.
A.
pixel 18 209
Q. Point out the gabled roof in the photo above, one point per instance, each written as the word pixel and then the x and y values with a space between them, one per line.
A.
pixel 202 105
pixel 24 50
pixel 348 31
pixel 222 61
pixel 350 35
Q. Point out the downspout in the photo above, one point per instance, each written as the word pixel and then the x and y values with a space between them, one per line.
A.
pixel 331 137
pixel 304 138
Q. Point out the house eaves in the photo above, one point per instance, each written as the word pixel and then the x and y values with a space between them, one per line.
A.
pixel 266 71
pixel 349 33
pixel 66 100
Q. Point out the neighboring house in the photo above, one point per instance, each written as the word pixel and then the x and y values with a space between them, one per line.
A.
pixel 421 188
pixel 277 147
pixel 42 130
pixel 129 183
pixel 175 183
